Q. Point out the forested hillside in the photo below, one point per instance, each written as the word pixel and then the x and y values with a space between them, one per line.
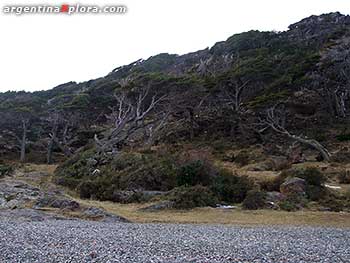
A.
pixel 185 125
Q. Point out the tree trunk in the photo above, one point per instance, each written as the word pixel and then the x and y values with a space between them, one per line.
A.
pixel 23 141
pixel 314 144
pixel 51 142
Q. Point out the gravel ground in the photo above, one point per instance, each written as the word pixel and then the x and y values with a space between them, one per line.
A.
pixel 83 241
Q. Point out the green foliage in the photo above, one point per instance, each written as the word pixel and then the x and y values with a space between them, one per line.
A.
pixel 87 189
pixel 255 199
pixel 242 158
pixel 192 173
pixel 158 62
pixel 312 175
pixel 316 193
pixel 343 137
pixel 231 188
pixel 292 202
pixel 269 98
pixel 191 197
pixel 77 167
pixel 287 205
pixel 5 170
pixel 243 42
pixel 66 181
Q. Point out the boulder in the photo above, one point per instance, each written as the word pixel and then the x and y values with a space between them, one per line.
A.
pixel 293 186
pixel 159 206
pixel 99 214
pixel 65 204
pixel 57 202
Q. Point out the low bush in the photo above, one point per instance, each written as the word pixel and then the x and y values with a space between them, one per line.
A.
pixel 271 185
pixel 195 168
pixel 66 181
pixel 87 189
pixel 333 204
pixel 191 174
pixel 343 137
pixel 255 199
pixel 288 206
pixel 77 166
pixel 313 176
pixel 242 158
pixel 191 197
pixel 5 170
pixel 316 193
pixel 293 202
pixel 231 188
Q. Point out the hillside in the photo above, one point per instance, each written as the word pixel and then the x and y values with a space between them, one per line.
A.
pixel 193 129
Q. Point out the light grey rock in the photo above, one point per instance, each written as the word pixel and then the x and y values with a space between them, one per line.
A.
pixel 159 206
pixel 293 186
pixel 99 214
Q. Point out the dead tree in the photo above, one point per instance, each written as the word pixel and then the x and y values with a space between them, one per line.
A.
pixel 20 135
pixel 276 119
pixel 128 117
pixel 53 138
pixel 23 141
pixel 154 129
pixel 234 93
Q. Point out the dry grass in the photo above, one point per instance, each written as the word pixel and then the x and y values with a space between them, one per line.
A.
pixel 201 215
pixel 221 216
pixel 45 168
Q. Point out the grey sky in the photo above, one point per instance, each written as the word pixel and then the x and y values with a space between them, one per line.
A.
pixel 41 51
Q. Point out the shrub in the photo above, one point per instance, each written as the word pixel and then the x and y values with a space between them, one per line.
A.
pixel 254 200
pixel 343 137
pixel 274 184
pixel 288 206
pixel 5 170
pixel 77 166
pixel 242 158
pixel 195 196
pixel 316 193
pixel 87 189
pixel 333 204
pixel 293 202
pixel 231 188
pixel 195 169
pixel 125 160
pixel 69 182
pixel 313 176
pixel 344 177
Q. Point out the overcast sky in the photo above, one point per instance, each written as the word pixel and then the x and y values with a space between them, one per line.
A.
pixel 42 51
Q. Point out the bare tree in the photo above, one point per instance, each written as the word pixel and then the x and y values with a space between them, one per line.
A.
pixel 53 137
pixel 128 117
pixel 276 119
pixel 153 129
pixel 234 93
